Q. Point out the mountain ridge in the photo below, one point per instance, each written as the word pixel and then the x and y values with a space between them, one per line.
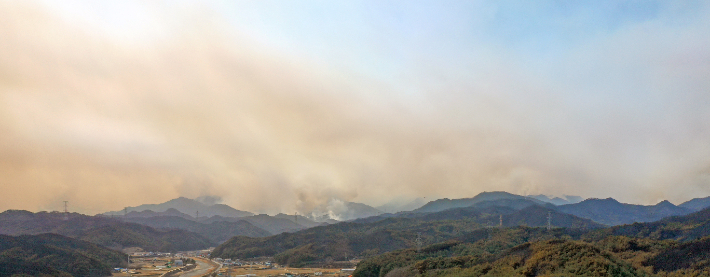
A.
pixel 446 203
pixel 187 206
pixel 611 212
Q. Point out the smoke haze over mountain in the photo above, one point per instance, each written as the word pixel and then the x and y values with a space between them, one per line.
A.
pixel 285 108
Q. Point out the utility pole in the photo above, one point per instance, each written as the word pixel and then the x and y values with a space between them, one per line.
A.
pixel 295 217
pixel 125 212
pixel 549 220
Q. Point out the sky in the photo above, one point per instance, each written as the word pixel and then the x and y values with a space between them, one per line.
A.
pixel 284 106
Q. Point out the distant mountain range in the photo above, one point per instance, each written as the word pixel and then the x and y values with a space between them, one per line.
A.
pixel 251 226
pixel 338 210
pixel 568 199
pixel 217 230
pixel 101 230
pixel 696 204
pixel 444 218
pixel 682 228
pixel 187 206
pixel 301 220
pixel 611 212
pixel 605 211
pixel 389 232
pixel 301 240
pixel 149 214
pixel 356 210
pixel 402 206
pixel 271 224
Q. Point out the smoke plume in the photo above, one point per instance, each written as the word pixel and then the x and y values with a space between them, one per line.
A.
pixel 197 107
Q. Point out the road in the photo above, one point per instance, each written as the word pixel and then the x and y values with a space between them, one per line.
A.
pixel 202 268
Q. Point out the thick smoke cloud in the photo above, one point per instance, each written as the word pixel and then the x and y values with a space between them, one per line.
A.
pixel 204 110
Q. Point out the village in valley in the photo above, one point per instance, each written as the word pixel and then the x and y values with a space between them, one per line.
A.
pixel 198 263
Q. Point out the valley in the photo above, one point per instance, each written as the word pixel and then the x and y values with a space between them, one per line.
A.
pixel 479 231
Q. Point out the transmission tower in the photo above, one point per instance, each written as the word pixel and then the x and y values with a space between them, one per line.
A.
pixel 418 241
pixel 197 215
pixel 549 220
pixel 66 210
pixel 295 217
pixel 125 212
pixel 500 223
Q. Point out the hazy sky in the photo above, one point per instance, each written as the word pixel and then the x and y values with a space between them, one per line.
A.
pixel 278 106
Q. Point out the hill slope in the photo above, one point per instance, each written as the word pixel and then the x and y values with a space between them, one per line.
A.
pixel 380 234
pixel 122 235
pixel 217 231
pixel 55 255
pixel 271 224
pixel 696 204
pixel 299 219
pixel 528 256
pixel 682 228
pixel 101 230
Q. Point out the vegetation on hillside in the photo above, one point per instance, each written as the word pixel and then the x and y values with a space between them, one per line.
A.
pixel 675 246
pixel 101 230
pixel 372 236
pixel 55 255
pixel 218 231
pixel 124 235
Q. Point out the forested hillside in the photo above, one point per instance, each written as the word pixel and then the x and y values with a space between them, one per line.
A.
pixel 105 231
pixel 216 231
pixel 122 235
pixel 375 235
pixel 55 255
pixel 675 246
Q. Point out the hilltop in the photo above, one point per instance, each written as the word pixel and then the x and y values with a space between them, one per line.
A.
pixel 444 204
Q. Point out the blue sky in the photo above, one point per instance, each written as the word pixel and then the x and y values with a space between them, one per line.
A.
pixel 299 102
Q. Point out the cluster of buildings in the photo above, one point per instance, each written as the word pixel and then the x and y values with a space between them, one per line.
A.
pixel 151 254
pixel 230 262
